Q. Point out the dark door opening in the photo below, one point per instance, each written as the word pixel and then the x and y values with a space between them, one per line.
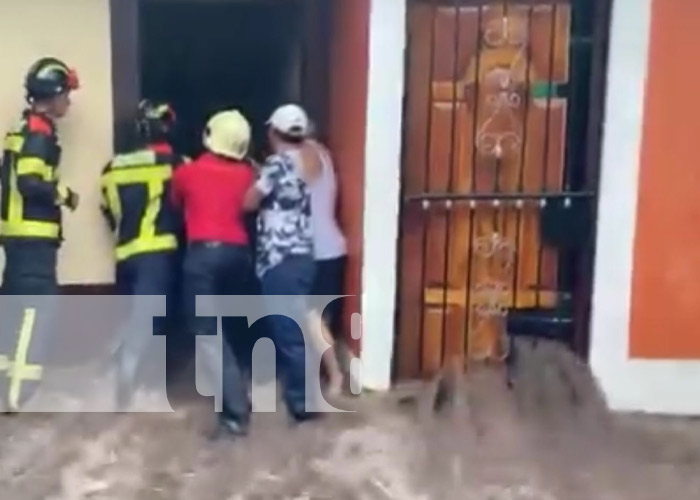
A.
pixel 204 57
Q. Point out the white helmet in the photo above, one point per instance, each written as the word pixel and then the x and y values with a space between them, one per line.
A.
pixel 228 134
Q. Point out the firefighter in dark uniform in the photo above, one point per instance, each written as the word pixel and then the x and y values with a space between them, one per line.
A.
pixel 136 204
pixel 30 228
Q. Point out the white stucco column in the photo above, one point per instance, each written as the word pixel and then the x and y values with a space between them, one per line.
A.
pixel 387 35
pixel 627 70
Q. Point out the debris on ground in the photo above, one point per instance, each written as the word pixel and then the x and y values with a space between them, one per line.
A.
pixel 470 437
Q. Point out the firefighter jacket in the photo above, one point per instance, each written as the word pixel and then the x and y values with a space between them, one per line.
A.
pixel 136 201
pixel 31 199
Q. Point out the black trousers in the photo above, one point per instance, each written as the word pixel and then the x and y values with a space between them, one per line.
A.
pixel 214 268
pixel 330 280
pixel 151 274
pixel 27 316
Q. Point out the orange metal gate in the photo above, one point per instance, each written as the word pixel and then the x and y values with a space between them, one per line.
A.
pixel 490 139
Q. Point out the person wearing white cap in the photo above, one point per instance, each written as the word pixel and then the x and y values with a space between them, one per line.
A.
pixel 330 248
pixel 284 253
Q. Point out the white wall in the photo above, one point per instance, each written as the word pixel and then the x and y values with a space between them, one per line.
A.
pixel 77 31
pixel 382 181
pixel 664 386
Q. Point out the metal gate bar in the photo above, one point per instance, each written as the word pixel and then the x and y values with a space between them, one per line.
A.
pixel 450 177
pixel 601 16
pixel 472 181
pixel 545 156
pixel 515 197
pixel 523 153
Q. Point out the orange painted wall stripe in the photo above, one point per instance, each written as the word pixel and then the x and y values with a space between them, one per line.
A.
pixel 347 128
pixel 665 310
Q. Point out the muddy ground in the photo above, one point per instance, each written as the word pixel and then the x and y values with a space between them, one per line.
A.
pixel 550 438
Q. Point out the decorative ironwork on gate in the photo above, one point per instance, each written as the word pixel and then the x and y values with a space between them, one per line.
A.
pixel 498 189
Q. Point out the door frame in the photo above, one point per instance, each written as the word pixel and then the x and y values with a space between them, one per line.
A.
pixel 593 162
pixel 126 68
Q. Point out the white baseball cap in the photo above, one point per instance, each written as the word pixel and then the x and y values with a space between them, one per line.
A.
pixel 290 119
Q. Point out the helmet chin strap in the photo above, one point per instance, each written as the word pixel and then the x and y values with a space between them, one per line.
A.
pixel 39 106
pixel 146 133
pixel 143 131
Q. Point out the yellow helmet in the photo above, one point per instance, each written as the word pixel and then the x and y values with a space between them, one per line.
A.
pixel 228 134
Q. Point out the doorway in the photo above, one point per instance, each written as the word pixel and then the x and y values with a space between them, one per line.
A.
pixel 499 179
pixel 206 56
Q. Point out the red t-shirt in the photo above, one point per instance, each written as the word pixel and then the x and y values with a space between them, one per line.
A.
pixel 211 190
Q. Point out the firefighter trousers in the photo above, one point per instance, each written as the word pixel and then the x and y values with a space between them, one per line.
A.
pixel 139 277
pixel 27 318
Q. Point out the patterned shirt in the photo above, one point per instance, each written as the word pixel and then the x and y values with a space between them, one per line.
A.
pixel 284 220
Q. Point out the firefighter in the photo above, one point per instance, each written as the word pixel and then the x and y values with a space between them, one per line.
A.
pixel 30 226
pixel 136 204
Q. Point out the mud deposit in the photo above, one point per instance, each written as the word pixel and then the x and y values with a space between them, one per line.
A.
pixel 549 438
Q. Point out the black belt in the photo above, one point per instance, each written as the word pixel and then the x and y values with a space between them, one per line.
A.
pixel 216 244
pixel 208 244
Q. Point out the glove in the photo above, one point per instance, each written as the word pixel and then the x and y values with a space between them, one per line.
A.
pixel 67 197
pixel 72 200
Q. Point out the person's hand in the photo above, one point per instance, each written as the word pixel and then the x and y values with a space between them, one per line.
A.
pixel 67 197
pixel 72 200
pixel 256 165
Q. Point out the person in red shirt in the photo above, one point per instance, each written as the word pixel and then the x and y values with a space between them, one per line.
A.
pixel 218 261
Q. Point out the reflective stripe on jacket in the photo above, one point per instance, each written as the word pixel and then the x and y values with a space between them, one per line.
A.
pixel 30 206
pixel 136 202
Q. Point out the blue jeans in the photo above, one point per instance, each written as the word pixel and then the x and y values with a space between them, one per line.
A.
pixel 293 276
pixel 213 268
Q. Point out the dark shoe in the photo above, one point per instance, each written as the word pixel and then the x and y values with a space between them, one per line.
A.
pixel 305 416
